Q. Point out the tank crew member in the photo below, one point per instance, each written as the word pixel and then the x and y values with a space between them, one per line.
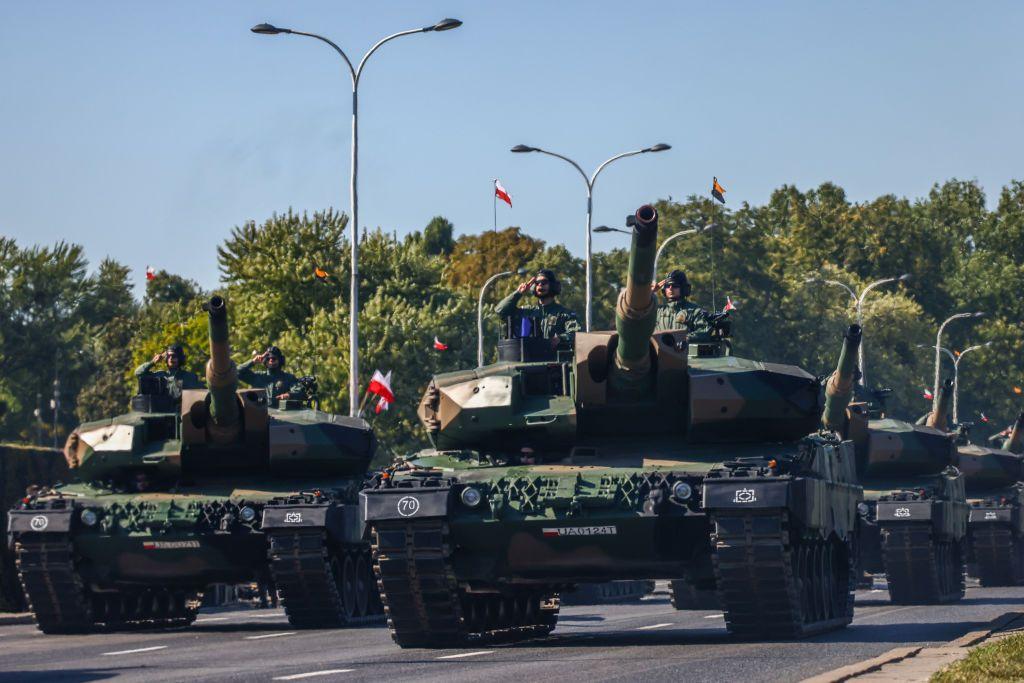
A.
pixel 177 376
pixel 274 379
pixel 557 322
pixel 679 313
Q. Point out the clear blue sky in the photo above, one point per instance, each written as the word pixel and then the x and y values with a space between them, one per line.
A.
pixel 145 131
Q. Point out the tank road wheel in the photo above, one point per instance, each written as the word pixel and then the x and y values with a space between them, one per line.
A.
pixel 364 585
pixel 424 603
pixel 774 582
pixel 349 587
pixel 685 595
pixel 55 592
pixel 921 569
pixel 998 555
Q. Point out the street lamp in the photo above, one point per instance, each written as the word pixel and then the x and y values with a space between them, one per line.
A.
pixel 690 231
pixel 938 352
pixel 660 147
pixel 480 313
pixel 858 301
pixel 355 73
pixel 956 372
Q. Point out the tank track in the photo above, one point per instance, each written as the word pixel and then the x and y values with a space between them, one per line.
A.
pixel 774 582
pixel 62 603
pixel 920 569
pixel 426 607
pixel 685 596
pixel 323 585
pixel 998 555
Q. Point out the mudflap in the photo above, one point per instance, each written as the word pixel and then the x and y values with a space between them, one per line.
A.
pixel 783 559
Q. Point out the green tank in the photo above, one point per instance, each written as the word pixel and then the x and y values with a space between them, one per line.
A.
pixel 995 491
pixel 226 485
pixel 637 456
pixel 913 521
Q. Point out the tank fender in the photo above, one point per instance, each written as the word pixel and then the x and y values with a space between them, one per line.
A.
pixel 405 503
pixel 739 494
pixel 980 515
pixel 904 511
pixel 38 521
pixel 340 521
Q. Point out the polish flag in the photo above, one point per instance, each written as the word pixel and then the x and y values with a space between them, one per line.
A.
pixel 150 273
pixel 439 345
pixel 380 385
pixel 381 406
pixel 729 305
pixel 500 192
pixel 984 417
pixel 927 393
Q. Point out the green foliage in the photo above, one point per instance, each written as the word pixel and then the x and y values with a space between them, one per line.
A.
pixel 437 237
pixel 1001 659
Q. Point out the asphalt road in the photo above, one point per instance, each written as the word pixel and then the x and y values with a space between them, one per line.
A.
pixel 612 642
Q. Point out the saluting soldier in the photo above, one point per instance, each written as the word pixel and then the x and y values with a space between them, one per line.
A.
pixel 678 312
pixel 557 323
pixel 177 376
pixel 273 378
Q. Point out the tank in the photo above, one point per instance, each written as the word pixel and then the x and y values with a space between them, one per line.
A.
pixel 995 493
pixel 226 486
pixel 913 521
pixel 640 456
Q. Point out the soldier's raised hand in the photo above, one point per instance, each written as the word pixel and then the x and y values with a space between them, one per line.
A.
pixel 158 357
pixel 526 285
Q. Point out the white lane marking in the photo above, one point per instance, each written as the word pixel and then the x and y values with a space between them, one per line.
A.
pixel 467 654
pixel 715 616
pixel 271 635
pixel 131 652
pixel 876 590
pixel 265 616
pixel 650 626
pixel 205 619
pixel 311 674
pixel 882 614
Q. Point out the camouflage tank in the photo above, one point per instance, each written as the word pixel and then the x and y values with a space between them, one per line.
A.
pixel 913 521
pixel 995 490
pixel 225 486
pixel 639 456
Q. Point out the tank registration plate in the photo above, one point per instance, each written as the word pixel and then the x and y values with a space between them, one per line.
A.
pixel 169 545
pixel 555 532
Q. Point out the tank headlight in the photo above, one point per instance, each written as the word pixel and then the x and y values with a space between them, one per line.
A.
pixel 247 514
pixel 863 509
pixel 682 490
pixel 88 517
pixel 470 497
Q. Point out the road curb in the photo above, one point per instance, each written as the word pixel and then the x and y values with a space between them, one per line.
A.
pixel 904 656
pixel 12 618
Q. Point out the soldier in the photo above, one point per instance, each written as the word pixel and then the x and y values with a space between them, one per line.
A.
pixel 557 322
pixel 177 377
pixel 677 313
pixel 275 380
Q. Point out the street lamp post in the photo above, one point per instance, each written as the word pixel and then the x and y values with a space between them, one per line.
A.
pixel 660 147
pixel 938 351
pixel 690 231
pixel 480 313
pixel 355 72
pixel 858 301
pixel 956 372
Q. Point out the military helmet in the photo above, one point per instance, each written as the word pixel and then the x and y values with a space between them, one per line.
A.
pixel 677 278
pixel 553 283
pixel 276 352
pixel 178 350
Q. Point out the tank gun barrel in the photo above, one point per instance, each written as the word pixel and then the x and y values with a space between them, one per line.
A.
pixel 636 310
pixel 1014 442
pixel 839 387
pixel 221 373
pixel 937 418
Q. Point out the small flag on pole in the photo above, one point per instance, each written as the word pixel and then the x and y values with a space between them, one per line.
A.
pixel 501 193
pixel 730 305
pixel 927 393
pixel 717 191
pixel 320 274
pixel 984 417
pixel 150 273
pixel 380 385
pixel 439 345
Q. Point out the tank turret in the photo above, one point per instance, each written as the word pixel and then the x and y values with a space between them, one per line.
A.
pixel 839 387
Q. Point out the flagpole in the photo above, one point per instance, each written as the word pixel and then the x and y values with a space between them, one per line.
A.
pixel 494 201
pixel 714 305
pixel 362 404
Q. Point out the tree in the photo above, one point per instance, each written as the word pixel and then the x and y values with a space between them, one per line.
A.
pixel 437 237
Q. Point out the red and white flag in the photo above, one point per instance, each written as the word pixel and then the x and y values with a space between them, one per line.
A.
pixel 381 406
pixel 984 417
pixel 150 273
pixel 380 385
pixel 729 305
pixel 500 192
pixel 927 393
pixel 439 345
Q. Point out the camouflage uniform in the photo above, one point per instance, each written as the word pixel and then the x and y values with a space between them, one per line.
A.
pixel 275 381
pixel 182 379
pixel 555 319
pixel 682 315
